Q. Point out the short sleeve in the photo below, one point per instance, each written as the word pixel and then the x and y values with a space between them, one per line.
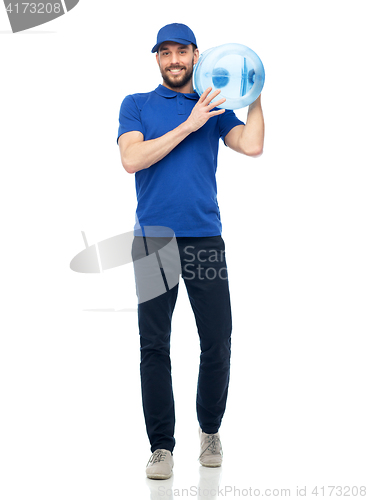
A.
pixel 227 121
pixel 129 117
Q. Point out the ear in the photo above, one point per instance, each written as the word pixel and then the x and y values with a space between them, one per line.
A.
pixel 196 56
pixel 157 58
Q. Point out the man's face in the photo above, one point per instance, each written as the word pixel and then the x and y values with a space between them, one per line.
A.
pixel 176 63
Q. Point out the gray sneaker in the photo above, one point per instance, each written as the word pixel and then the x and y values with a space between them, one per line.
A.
pixel 160 465
pixel 210 449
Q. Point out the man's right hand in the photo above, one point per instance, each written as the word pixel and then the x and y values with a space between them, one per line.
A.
pixel 202 111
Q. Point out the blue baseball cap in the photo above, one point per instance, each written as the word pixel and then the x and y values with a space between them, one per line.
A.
pixel 175 32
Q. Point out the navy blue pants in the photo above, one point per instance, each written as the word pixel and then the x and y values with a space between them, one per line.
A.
pixel 204 271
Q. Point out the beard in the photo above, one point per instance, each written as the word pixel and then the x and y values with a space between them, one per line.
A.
pixel 176 81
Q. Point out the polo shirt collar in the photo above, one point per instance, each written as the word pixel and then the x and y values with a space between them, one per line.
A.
pixel 168 93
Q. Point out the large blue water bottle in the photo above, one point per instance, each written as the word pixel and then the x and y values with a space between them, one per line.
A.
pixel 234 69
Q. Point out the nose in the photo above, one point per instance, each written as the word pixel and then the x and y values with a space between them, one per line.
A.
pixel 174 59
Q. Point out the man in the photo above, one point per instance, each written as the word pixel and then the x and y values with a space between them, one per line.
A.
pixel 169 138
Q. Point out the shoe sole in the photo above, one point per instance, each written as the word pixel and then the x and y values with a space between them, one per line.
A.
pixel 210 465
pixel 159 476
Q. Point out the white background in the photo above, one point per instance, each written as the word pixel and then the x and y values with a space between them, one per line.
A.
pixel 295 229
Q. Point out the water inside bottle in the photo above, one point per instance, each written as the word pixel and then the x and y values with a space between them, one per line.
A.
pixel 232 74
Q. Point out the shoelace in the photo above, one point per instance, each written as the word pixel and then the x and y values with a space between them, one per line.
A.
pixel 157 456
pixel 213 442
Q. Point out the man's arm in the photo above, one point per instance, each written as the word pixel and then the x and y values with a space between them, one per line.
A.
pixel 248 139
pixel 137 154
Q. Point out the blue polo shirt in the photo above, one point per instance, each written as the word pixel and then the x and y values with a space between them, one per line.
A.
pixel 179 191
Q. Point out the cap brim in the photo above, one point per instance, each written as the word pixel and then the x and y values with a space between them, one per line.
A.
pixel 177 40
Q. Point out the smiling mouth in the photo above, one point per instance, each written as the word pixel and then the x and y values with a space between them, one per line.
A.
pixel 175 71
